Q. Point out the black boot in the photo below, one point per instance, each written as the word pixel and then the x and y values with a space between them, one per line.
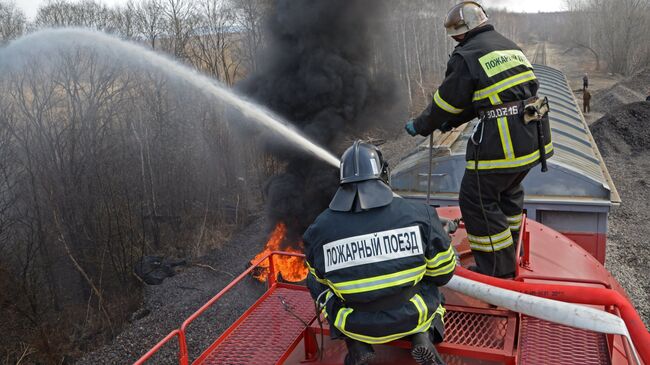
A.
pixel 423 352
pixel 359 353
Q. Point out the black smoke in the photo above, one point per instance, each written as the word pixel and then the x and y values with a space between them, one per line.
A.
pixel 315 73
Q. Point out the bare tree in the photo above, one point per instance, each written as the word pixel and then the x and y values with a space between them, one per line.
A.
pixel 250 17
pixel 12 21
pixel 149 21
pixel 213 48
pixel 180 22
pixel 611 30
pixel 83 13
pixel 124 21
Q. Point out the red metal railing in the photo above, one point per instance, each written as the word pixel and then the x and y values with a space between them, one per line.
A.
pixel 574 294
pixel 581 295
pixel 183 354
pixel 182 346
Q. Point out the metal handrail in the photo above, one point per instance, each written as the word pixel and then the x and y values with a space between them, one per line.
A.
pixel 160 344
pixel 574 294
pixel 580 295
pixel 183 356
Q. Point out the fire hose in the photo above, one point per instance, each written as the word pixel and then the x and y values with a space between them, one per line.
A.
pixel 533 299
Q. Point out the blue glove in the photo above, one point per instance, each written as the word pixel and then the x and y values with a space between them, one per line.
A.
pixel 410 128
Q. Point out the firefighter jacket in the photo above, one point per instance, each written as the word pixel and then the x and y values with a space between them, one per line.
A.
pixel 485 70
pixel 376 273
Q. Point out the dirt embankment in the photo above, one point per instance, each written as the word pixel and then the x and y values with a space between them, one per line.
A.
pixel 623 137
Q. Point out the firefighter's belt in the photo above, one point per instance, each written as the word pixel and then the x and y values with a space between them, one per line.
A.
pixel 386 303
pixel 514 108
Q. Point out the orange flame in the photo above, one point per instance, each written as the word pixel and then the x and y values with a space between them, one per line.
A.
pixel 292 268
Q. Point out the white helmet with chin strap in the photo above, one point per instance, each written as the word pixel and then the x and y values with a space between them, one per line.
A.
pixel 464 17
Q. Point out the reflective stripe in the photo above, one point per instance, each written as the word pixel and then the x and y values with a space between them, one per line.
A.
pixel 440 258
pixel 421 307
pixel 313 273
pixel 380 282
pixel 486 239
pixel 443 270
pixel 515 221
pixel 441 312
pixel 505 163
pixel 343 313
pixel 504 131
pixel 504 85
pixel 506 141
pixel 515 218
pixel 499 241
pixel 488 247
pixel 342 316
pixel 445 105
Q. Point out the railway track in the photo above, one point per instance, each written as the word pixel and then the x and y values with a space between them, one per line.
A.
pixel 540 54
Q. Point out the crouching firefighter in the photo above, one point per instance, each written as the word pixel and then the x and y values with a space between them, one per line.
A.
pixel 489 77
pixel 376 262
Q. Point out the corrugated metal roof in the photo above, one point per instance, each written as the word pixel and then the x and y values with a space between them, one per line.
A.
pixel 575 170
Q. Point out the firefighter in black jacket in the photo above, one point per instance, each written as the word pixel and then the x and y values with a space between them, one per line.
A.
pixel 489 77
pixel 376 262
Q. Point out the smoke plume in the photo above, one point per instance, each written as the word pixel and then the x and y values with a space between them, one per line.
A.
pixel 315 73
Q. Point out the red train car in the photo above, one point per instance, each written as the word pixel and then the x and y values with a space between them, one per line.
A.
pixel 563 307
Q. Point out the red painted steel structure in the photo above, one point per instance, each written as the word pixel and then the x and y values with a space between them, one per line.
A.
pixel 552 266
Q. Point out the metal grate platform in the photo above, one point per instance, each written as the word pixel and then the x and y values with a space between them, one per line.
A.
pixel 543 342
pixel 462 360
pixel 476 329
pixel 269 330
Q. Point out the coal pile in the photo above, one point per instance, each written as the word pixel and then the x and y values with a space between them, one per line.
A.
pixel 632 89
pixel 623 137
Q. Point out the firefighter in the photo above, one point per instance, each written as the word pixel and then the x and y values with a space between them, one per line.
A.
pixel 376 262
pixel 585 82
pixel 489 77
pixel 586 99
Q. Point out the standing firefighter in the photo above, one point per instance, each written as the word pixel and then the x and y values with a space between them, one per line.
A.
pixel 586 99
pixel 489 77
pixel 376 262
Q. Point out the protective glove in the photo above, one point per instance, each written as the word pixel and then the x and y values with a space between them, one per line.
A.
pixel 445 127
pixel 410 128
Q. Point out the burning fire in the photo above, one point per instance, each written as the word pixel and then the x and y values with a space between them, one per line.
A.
pixel 292 268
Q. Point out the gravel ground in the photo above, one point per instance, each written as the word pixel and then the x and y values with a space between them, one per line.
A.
pixel 178 297
pixel 623 138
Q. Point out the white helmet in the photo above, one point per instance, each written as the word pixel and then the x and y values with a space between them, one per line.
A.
pixel 464 17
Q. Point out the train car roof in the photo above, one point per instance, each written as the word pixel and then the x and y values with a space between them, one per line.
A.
pixel 577 172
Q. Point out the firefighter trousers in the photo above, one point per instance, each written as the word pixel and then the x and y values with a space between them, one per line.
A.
pixel 493 219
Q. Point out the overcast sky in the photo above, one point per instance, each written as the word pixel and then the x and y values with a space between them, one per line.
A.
pixel 531 6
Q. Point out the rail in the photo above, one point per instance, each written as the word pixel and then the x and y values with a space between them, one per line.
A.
pixel 579 295
pixel 565 293
pixel 159 345
pixel 183 354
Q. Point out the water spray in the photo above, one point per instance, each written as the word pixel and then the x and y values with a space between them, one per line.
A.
pixel 53 39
